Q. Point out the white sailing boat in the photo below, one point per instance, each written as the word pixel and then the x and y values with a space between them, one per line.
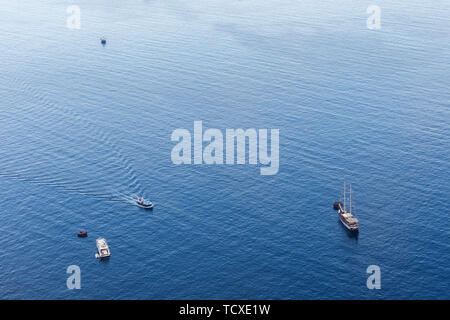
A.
pixel 346 216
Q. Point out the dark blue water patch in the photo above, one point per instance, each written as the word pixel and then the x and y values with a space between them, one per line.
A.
pixel 85 129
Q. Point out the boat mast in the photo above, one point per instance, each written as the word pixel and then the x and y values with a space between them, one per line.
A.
pixel 344 195
pixel 350 198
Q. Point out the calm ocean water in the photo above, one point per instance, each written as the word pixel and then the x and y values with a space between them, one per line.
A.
pixel 84 128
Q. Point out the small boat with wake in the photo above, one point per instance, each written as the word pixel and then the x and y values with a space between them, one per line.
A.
pixel 146 204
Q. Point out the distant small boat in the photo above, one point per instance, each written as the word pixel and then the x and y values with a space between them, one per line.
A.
pixel 103 40
pixel 82 233
pixel 337 205
pixel 102 248
pixel 147 204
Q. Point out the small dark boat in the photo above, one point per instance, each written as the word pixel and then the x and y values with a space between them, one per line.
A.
pixel 82 233
pixel 337 205
pixel 103 40
pixel 146 204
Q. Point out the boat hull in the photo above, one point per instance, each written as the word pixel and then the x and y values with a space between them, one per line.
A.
pixel 145 206
pixel 346 225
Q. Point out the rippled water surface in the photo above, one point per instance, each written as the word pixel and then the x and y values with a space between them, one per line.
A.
pixel 85 128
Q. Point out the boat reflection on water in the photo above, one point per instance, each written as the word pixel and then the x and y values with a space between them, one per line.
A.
pixel 350 234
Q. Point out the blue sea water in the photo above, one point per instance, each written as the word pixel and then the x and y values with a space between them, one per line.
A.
pixel 84 128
